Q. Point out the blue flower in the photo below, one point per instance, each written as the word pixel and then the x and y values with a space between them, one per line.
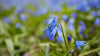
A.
pixel 65 17
pixel 97 21
pixel 81 23
pixel 69 38
pixel 23 17
pixel 98 13
pixel 52 21
pixel 93 13
pixel 74 15
pixel 53 33
pixel 25 54
pixel 19 10
pixel 71 51
pixel 83 7
pixel 79 43
pixel 81 32
pixel 41 10
pixel 18 25
pixel 82 26
pixel 48 33
pixel 85 36
pixel 70 27
pixel 53 29
pixel 71 21
pixel 60 36
pixel 95 4
pixel 6 20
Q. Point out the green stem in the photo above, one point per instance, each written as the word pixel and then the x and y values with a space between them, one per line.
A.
pixel 91 51
pixel 64 37
pixel 74 38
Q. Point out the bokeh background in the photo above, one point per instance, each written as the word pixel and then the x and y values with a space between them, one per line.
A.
pixel 22 23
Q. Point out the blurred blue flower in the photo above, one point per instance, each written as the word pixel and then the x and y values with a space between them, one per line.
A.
pixel 71 51
pixel 19 10
pixel 71 21
pixel 98 13
pixel 93 13
pixel 85 36
pixel 79 43
pixel 25 54
pixel 18 25
pixel 94 3
pixel 70 27
pixel 82 26
pixel 69 38
pixel 83 6
pixel 27 11
pixel 81 32
pixel 23 17
pixel 74 15
pixel 6 20
pixel 56 8
pixel 97 21
pixel 65 17
pixel 72 2
pixel 40 11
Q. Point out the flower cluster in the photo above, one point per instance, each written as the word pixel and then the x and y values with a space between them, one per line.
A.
pixel 53 29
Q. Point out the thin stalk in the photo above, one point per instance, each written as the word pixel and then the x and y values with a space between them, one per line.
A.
pixel 91 51
pixel 64 37
pixel 74 38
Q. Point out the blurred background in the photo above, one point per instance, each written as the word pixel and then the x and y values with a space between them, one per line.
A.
pixel 22 23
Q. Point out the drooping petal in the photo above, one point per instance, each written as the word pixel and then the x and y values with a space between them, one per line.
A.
pixel 80 43
pixel 53 33
pixel 48 33
pixel 69 38
pixel 78 47
pixel 60 36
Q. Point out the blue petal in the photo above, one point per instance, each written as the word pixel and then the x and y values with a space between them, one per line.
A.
pixel 69 38
pixel 80 43
pixel 48 33
pixel 71 51
pixel 60 36
pixel 79 48
pixel 53 33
